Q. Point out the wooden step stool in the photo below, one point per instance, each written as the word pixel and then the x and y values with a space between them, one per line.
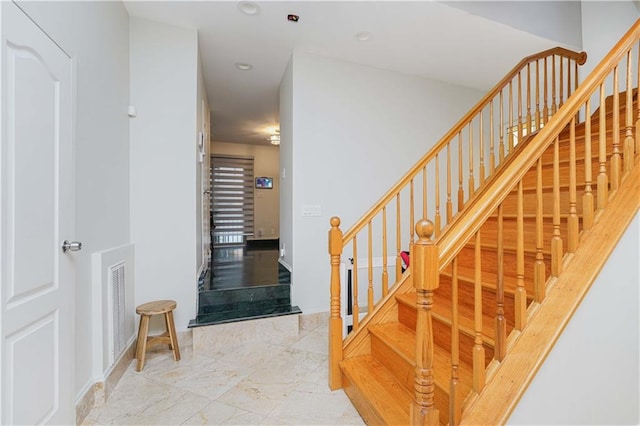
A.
pixel 145 311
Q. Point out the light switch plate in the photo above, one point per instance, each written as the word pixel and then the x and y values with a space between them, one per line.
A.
pixel 309 210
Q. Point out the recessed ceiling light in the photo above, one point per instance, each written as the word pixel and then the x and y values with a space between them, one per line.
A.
pixel 363 36
pixel 248 7
pixel 243 66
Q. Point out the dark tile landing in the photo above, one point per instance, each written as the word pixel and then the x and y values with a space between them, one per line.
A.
pixel 239 267
pixel 244 283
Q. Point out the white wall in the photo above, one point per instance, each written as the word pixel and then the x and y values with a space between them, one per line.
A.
pixel 592 376
pixel 355 131
pixel 286 165
pixel 553 20
pixel 603 24
pixel 96 35
pixel 202 171
pixel 266 201
pixel 163 164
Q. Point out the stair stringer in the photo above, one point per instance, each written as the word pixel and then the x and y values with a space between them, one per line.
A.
pixel 527 350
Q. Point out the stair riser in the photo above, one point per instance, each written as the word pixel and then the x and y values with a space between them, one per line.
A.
pixel 405 374
pixel 489 233
pixel 466 300
pixel 489 259
pixel 530 180
pixel 368 413
pixel 442 335
pixel 529 198
pixel 243 298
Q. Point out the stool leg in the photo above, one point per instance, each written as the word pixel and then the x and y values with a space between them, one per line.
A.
pixel 141 345
pixel 172 335
pixel 166 324
pixel 135 352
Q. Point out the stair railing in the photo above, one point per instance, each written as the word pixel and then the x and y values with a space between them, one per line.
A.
pixel 617 150
pixel 519 105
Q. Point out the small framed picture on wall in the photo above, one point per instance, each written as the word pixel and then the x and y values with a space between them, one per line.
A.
pixel 264 183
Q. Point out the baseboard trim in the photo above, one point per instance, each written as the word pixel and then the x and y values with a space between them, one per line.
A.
pixel 97 393
pixel 285 264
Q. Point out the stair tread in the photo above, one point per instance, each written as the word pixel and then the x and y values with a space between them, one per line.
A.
pixel 403 339
pixel 510 248
pixel 384 393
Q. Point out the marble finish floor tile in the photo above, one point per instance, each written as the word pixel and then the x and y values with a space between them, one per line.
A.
pixel 280 382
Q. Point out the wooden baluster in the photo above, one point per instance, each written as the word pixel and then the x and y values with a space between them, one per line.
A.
pixel 538 113
pixel 539 275
pixel 556 240
pixel 478 347
pixel 575 74
pixel 492 155
pixel 529 118
pixel 398 240
pixel 424 267
pixel 519 107
pixel 638 104
pixel 455 396
pixel 560 83
pixel 355 310
pixel 438 219
pixel 568 78
pixel 449 202
pixel 521 292
pixel 460 188
pixel 616 160
pixel 385 274
pixel 370 268
pixel 481 149
pixel 587 198
pixel 335 320
pixel 628 137
pixel 545 107
pixel 572 220
pixel 553 85
pixel 500 349
pixel 411 214
pixel 424 191
pixel 501 147
pixel 603 178
pixel 472 184
pixel 511 132
pixel 576 81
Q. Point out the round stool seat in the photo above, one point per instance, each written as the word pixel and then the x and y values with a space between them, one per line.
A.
pixel 146 310
pixel 156 307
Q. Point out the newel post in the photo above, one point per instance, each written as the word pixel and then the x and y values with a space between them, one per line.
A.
pixel 424 271
pixel 335 320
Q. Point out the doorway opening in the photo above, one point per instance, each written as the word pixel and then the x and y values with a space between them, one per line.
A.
pixel 245 279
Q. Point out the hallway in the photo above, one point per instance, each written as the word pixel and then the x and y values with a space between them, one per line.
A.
pixel 242 283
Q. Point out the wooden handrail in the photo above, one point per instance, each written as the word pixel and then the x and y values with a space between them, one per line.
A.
pixel 579 57
pixel 469 221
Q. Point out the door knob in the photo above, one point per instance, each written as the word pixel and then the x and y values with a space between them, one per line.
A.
pixel 71 246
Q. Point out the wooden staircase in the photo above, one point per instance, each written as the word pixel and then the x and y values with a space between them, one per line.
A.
pixel 476 282
pixel 380 383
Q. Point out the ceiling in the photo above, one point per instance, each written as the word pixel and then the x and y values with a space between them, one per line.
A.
pixel 423 38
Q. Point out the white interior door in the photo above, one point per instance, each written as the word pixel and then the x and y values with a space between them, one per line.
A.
pixel 36 215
